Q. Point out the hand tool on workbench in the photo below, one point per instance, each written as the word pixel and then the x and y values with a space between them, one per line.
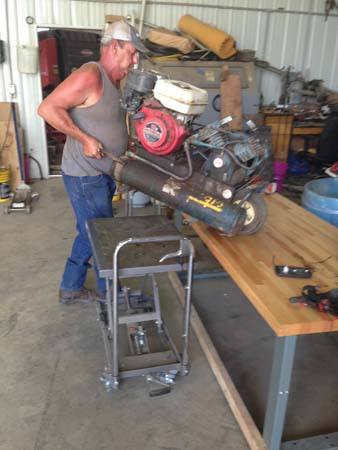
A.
pixel 323 301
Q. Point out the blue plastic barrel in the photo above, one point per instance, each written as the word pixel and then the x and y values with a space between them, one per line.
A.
pixel 321 198
pixel 297 164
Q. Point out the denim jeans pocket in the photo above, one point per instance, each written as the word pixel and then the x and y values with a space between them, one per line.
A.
pixel 97 192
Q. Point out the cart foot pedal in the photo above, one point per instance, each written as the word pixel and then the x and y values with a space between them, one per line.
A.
pixel 160 391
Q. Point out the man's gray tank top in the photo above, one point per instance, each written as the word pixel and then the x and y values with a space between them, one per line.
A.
pixel 106 121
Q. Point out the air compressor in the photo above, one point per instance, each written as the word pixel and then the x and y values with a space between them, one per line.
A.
pixel 211 172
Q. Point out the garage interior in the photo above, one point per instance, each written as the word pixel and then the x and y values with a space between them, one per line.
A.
pixel 259 370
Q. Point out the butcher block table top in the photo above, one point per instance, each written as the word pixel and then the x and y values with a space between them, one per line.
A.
pixel 291 236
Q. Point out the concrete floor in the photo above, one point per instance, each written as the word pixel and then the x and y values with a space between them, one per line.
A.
pixel 245 344
pixel 51 357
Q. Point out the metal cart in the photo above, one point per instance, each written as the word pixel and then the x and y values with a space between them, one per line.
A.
pixel 151 241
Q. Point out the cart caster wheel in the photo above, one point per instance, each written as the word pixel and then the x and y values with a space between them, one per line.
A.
pixel 111 387
pixel 28 209
pixel 184 370
pixel 110 384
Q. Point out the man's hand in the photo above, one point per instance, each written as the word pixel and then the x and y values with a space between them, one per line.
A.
pixel 93 148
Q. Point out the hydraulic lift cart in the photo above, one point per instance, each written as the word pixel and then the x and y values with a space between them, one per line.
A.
pixel 135 336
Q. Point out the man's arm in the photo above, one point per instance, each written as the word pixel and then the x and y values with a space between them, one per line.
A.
pixel 82 88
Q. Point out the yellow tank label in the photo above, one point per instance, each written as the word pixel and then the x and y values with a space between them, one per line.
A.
pixel 208 202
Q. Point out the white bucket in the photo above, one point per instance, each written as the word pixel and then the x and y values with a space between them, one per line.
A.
pixel 140 200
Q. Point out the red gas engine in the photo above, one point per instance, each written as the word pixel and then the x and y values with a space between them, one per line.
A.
pixel 163 121
pixel 159 131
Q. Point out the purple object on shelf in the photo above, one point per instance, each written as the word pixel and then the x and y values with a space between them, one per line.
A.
pixel 280 169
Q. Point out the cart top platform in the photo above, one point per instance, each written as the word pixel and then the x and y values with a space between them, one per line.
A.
pixel 106 234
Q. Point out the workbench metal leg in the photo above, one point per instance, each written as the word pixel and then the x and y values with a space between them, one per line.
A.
pixel 284 352
pixel 187 313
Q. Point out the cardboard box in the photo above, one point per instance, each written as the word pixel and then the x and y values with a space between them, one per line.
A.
pixel 6 113
pixel 9 156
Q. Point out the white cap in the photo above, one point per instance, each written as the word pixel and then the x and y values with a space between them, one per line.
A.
pixel 123 31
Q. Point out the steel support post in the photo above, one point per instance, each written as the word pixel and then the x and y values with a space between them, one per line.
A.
pixel 284 352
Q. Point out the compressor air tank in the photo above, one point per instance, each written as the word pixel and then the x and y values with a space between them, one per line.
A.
pixel 220 214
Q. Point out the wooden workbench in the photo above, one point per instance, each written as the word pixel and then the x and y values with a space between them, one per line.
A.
pixel 290 236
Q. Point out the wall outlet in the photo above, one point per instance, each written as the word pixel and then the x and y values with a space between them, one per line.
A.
pixel 12 90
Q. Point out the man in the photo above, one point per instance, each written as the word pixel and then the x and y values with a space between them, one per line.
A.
pixel 86 107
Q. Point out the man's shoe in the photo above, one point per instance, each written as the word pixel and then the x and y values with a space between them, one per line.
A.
pixel 82 295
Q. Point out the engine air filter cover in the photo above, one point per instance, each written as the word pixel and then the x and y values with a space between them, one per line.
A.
pixel 181 97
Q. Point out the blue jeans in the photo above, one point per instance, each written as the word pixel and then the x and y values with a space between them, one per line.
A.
pixel 91 198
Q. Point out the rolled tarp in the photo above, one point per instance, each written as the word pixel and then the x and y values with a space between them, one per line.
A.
pixel 219 42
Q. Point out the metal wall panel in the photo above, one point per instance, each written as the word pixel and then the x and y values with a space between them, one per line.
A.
pixel 283 32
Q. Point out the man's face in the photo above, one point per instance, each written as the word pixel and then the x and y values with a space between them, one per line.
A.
pixel 125 57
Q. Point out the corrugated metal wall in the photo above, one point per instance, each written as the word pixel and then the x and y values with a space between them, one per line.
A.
pixel 283 32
